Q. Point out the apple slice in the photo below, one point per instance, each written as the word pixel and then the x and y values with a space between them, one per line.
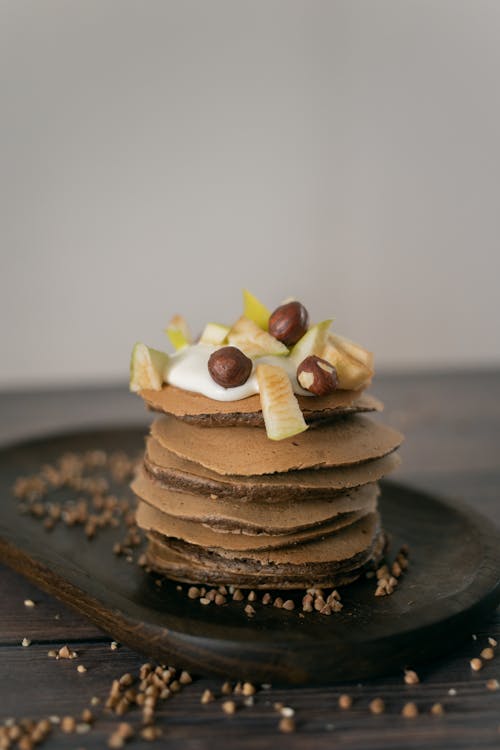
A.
pixel 312 342
pixel 280 408
pixel 352 374
pixel 178 332
pixel 255 310
pixel 253 341
pixel 214 333
pixel 147 367
pixel 354 350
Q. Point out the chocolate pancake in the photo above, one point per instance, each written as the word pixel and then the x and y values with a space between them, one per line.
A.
pixel 333 561
pixel 223 541
pixel 179 473
pixel 247 451
pixel 200 410
pixel 283 516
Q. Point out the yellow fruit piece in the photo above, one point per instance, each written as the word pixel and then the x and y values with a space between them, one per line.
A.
pixel 178 332
pixel 354 350
pixel 352 373
pixel 255 310
pixel 147 367
pixel 253 341
pixel 214 333
pixel 280 408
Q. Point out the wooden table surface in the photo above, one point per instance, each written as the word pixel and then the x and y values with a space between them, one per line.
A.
pixel 452 424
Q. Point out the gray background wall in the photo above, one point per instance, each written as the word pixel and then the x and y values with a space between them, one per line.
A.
pixel 158 156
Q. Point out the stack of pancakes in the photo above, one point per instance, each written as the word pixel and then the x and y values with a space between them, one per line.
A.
pixel 222 504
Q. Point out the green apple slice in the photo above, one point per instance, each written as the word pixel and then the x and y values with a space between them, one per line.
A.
pixel 354 350
pixel 214 333
pixel 280 408
pixel 147 367
pixel 255 310
pixel 178 332
pixel 253 341
pixel 312 342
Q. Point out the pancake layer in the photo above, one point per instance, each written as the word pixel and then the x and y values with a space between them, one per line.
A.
pixel 180 473
pixel 284 516
pixel 197 409
pixel 342 560
pixel 245 451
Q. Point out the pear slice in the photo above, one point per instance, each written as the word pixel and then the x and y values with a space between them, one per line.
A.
pixel 352 374
pixel 147 367
pixel 280 408
pixel 255 310
pixel 253 341
pixel 214 333
pixel 312 342
pixel 178 332
pixel 354 350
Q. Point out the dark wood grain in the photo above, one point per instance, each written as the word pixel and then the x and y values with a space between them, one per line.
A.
pixel 470 720
pixel 452 422
pixel 48 621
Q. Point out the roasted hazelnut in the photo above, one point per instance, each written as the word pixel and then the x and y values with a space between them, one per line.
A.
pixel 229 367
pixel 289 322
pixel 317 375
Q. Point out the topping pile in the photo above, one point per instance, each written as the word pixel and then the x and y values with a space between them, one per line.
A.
pixel 315 361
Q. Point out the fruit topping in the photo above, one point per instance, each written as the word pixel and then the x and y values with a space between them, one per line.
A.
pixel 280 408
pixel 215 334
pixel 352 372
pixel 178 332
pixel 312 342
pixel 354 350
pixel 253 309
pixel 147 367
pixel 317 376
pixel 289 322
pixel 253 341
pixel 229 367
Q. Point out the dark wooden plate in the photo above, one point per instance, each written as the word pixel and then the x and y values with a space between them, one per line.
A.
pixel 452 583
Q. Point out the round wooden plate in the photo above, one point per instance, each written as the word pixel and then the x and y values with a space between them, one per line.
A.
pixel 452 583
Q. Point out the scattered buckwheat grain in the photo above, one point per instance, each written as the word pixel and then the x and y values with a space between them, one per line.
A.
pixel 345 702
pixel 229 707
pixel 377 706
pixel 487 653
pixel 286 725
pixel 68 724
pixel 207 697
pixel 410 710
pixel 437 709
pixel 411 677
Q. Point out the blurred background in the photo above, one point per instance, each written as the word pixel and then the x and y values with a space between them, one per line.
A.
pixel 158 156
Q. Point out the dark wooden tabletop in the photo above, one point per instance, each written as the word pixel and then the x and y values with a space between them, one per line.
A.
pixel 452 426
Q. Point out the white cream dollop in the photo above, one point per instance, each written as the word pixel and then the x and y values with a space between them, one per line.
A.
pixel 188 369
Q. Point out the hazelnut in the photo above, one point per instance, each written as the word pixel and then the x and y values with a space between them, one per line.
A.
pixel 317 375
pixel 229 367
pixel 289 322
